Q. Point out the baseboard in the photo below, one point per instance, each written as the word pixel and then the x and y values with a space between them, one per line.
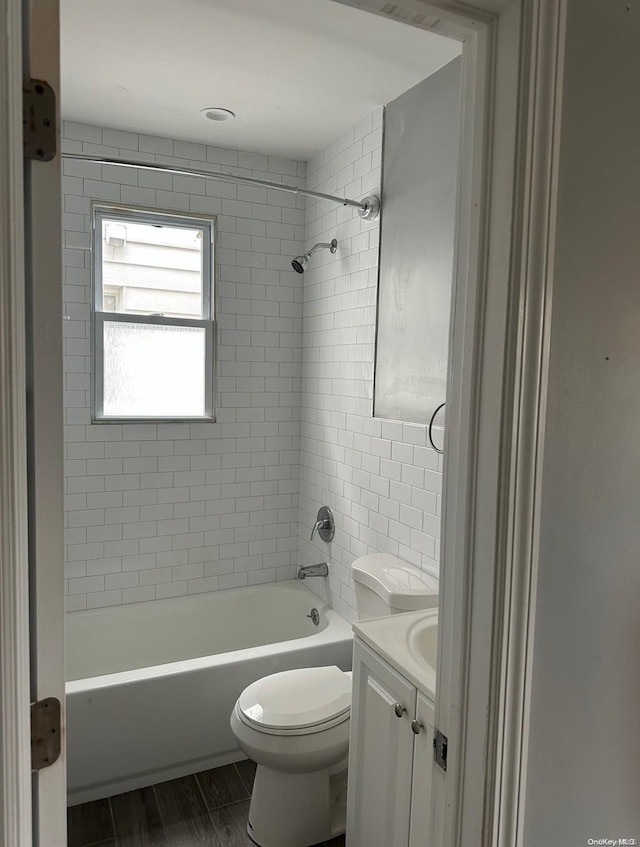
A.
pixel 100 790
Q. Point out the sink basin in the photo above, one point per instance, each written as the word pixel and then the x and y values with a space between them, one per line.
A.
pixel 422 640
pixel 409 642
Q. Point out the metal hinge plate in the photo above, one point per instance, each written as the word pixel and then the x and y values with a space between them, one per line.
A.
pixel 39 120
pixel 46 733
pixel 440 744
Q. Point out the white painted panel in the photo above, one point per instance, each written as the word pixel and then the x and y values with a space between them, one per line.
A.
pixel 583 778
pixel 420 166
pixel 420 834
pixel 380 754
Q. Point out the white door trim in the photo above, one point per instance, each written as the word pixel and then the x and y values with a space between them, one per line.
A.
pixel 513 58
pixel 490 544
pixel 478 435
pixel 15 762
pixel 533 260
pixel 43 240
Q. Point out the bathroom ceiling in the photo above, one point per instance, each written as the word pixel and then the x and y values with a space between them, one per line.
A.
pixel 297 73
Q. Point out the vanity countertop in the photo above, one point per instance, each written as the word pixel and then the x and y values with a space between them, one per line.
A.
pixel 397 638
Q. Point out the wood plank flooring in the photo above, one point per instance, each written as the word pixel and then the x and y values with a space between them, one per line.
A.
pixel 209 808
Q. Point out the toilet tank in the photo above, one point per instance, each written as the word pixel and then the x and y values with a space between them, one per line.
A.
pixel 385 585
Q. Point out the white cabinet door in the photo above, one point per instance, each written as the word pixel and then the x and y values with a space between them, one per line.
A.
pixel 380 754
pixel 423 764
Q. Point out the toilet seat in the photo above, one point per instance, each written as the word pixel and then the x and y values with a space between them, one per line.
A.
pixel 297 702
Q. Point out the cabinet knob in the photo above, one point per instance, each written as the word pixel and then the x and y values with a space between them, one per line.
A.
pixel 416 726
pixel 399 710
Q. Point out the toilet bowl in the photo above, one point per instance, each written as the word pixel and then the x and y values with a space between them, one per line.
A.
pixel 295 724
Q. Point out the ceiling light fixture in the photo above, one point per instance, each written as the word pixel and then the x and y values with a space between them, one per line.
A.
pixel 215 113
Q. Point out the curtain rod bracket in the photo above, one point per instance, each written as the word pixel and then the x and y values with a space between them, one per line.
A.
pixel 370 208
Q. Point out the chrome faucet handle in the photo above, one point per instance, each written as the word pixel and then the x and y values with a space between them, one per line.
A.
pixel 318 525
pixel 325 525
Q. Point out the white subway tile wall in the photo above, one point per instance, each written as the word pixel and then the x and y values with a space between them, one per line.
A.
pixel 379 477
pixel 160 510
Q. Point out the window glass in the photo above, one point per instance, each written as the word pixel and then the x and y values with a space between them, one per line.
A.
pixel 152 269
pixel 153 371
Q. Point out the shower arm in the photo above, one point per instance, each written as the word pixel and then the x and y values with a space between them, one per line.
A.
pixel 329 245
pixel 368 208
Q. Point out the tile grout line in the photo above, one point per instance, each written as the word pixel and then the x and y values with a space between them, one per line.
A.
pixel 164 827
pixel 243 782
pixel 113 822
pixel 207 809
pixel 98 843
pixel 226 805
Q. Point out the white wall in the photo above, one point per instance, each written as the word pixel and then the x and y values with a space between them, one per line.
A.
pixel 158 510
pixel 379 477
pixel 583 778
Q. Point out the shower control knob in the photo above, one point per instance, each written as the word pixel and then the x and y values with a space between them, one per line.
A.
pixel 325 524
pixel 417 727
pixel 399 709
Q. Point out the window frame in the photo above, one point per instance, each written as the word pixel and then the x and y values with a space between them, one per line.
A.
pixel 144 215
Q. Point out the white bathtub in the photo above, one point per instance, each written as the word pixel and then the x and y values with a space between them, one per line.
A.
pixel 151 685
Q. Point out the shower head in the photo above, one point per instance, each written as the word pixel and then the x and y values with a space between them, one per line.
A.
pixel 299 264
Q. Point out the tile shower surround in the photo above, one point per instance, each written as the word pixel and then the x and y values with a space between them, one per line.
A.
pixel 381 479
pixel 160 510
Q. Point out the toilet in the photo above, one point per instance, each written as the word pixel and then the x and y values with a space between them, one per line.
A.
pixel 295 724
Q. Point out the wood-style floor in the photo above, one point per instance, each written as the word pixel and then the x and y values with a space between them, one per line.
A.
pixel 208 808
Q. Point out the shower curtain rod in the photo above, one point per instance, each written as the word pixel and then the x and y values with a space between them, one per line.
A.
pixel 368 208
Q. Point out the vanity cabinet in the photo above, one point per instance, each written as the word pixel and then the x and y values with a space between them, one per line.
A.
pixel 390 757
pixel 420 820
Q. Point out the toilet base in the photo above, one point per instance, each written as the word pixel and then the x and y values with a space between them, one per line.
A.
pixel 297 809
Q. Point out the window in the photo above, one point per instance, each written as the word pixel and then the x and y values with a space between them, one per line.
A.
pixel 152 316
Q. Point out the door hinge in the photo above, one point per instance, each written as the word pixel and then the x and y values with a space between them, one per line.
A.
pixel 440 744
pixel 39 120
pixel 46 733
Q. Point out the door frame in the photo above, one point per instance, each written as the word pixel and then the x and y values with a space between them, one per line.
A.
pixel 31 435
pixel 15 756
pixel 45 432
pixel 512 64
pixel 512 71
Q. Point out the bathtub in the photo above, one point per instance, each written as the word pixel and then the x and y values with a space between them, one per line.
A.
pixel 151 685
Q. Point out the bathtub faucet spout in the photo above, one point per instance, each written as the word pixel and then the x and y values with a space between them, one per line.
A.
pixel 322 569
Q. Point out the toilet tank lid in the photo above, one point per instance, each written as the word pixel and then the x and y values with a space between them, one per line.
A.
pixel 398 583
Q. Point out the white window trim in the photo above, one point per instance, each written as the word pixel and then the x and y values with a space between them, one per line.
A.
pixel 100 211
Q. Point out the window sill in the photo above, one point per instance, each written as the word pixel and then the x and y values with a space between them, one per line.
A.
pixel 109 421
